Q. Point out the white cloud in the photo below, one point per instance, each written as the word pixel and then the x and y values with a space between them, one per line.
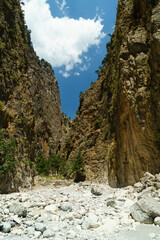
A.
pixel 77 74
pixel 85 67
pixel 61 41
pixel 62 4
pixel 65 74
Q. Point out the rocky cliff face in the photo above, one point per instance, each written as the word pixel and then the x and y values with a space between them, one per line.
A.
pixel 30 112
pixel 117 128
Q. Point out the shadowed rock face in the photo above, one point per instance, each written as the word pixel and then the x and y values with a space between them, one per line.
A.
pixel 30 111
pixel 117 127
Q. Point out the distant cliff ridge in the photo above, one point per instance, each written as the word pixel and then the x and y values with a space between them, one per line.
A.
pixel 117 128
pixel 30 111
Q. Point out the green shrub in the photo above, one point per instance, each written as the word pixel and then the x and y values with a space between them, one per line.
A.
pixel 1 106
pixel 7 149
pixel 11 32
pixel 28 33
pixel 78 170
pixel 109 53
pixel 42 166
pixel 65 169
pixel 59 166
pixel 54 163
pixel 77 112
pixel 98 123
pixel 106 134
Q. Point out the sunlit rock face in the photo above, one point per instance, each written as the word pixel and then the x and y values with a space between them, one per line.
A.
pixel 30 111
pixel 117 127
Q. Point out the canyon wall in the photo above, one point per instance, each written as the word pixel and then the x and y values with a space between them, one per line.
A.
pixel 117 127
pixel 30 112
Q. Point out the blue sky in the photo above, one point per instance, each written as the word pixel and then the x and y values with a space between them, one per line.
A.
pixel 71 35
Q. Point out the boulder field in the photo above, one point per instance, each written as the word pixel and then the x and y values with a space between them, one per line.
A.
pixel 60 210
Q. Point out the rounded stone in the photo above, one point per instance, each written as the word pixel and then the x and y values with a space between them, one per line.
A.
pixel 37 234
pixel 18 209
pixel 31 231
pixel 6 227
pixel 66 207
pixel 157 221
pixel 40 219
pixel 6 211
pixel 29 223
pixel 40 227
pixel 71 234
pixel 48 234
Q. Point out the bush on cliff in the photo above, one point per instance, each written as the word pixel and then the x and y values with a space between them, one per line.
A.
pixel 78 168
pixel 7 149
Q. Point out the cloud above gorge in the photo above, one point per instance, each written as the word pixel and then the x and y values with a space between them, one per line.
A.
pixel 60 41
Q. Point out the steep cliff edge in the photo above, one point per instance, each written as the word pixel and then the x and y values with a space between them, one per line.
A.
pixel 30 111
pixel 117 128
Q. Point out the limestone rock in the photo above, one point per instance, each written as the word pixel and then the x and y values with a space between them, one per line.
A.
pixel 40 227
pixel 140 216
pixel 146 192
pixel 137 41
pixel 145 210
pixel 66 207
pixel 71 234
pixel 16 219
pixel 111 203
pixel 6 227
pixel 138 187
pixel 156 16
pixel 6 211
pixel 31 231
pixel 51 208
pixel 96 191
pixel 48 234
pixel 157 221
pixel 90 222
pixel 18 209
pixel 37 234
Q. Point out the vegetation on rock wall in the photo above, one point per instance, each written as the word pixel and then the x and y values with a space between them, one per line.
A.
pixel 58 166
pixel 7 151
pixel 78 168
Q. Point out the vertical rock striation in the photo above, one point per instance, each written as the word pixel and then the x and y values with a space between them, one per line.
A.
pixel 117 127
pixel 30 111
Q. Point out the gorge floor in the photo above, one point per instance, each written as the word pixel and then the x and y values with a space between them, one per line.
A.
pixel 60 210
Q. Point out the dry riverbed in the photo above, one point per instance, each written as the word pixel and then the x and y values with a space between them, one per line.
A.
pixel 59 210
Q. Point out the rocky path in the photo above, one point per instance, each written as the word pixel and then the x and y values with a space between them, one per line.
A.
pixel 63 210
